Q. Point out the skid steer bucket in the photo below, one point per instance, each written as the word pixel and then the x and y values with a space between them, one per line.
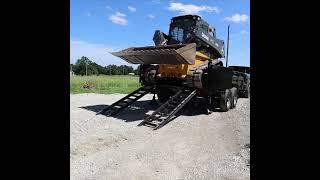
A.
pixel 168 54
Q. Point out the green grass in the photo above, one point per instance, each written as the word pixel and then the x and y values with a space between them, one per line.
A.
pixel 103 84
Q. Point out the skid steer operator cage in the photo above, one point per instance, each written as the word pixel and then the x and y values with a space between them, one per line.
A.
pixel 181 29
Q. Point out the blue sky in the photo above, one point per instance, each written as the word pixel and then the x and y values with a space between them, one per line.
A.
pixel 101 26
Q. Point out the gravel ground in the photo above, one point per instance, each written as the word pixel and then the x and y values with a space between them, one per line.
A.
pixel 215 146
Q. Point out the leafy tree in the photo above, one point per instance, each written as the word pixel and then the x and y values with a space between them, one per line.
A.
pixel 137 71
pixel 80 67
pixel 93 68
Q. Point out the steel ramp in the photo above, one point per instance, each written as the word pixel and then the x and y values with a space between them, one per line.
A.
pixel 126 101
pixel 164 113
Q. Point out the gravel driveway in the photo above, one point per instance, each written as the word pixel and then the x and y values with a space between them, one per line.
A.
pixel 214 146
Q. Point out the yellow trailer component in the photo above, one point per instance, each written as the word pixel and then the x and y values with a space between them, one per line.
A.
pixel 181 70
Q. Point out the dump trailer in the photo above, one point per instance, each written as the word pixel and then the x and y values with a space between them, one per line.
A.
pixel 242 73
pixel 183 68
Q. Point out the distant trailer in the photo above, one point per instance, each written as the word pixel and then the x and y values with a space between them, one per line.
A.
pixel 131 74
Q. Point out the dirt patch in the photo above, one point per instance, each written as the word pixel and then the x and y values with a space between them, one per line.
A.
pixel 215 146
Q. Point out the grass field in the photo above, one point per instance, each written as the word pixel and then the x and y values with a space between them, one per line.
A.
pixel 103 84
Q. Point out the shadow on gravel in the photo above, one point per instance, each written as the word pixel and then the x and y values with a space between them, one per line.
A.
pixel 138 109
pixel 135 112
pixel 95 108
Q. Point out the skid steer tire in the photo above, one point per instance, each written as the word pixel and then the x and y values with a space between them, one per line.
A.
pixel 234 95
pixel 225 101
pixel 148 75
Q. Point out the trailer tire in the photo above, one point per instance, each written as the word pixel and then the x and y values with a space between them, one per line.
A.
pixel 234 94
pixel 225 101
pixel 247 92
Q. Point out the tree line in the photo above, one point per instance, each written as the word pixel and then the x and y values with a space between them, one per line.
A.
pixel 84 66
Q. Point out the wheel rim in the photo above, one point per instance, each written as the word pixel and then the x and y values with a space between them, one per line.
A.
pixel 228 103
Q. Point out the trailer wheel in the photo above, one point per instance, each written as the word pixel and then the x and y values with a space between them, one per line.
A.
pixel 234 94
pixel 247 92
pixel 225 101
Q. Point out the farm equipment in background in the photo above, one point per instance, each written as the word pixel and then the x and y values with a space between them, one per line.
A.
pixel 183 66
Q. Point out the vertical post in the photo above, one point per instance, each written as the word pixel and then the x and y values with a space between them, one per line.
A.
pixel 227 47
pixel 110 70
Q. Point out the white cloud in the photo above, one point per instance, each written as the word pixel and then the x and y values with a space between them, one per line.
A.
pixel 237 18
pixel 156 1
pixel 99 53
pixel 191 8
pixel 109 7
pixel 119 18
pixel 244 32
pixel 151 16
pixel 132 9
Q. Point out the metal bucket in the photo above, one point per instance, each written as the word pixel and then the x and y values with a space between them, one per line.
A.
pixel 168 54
